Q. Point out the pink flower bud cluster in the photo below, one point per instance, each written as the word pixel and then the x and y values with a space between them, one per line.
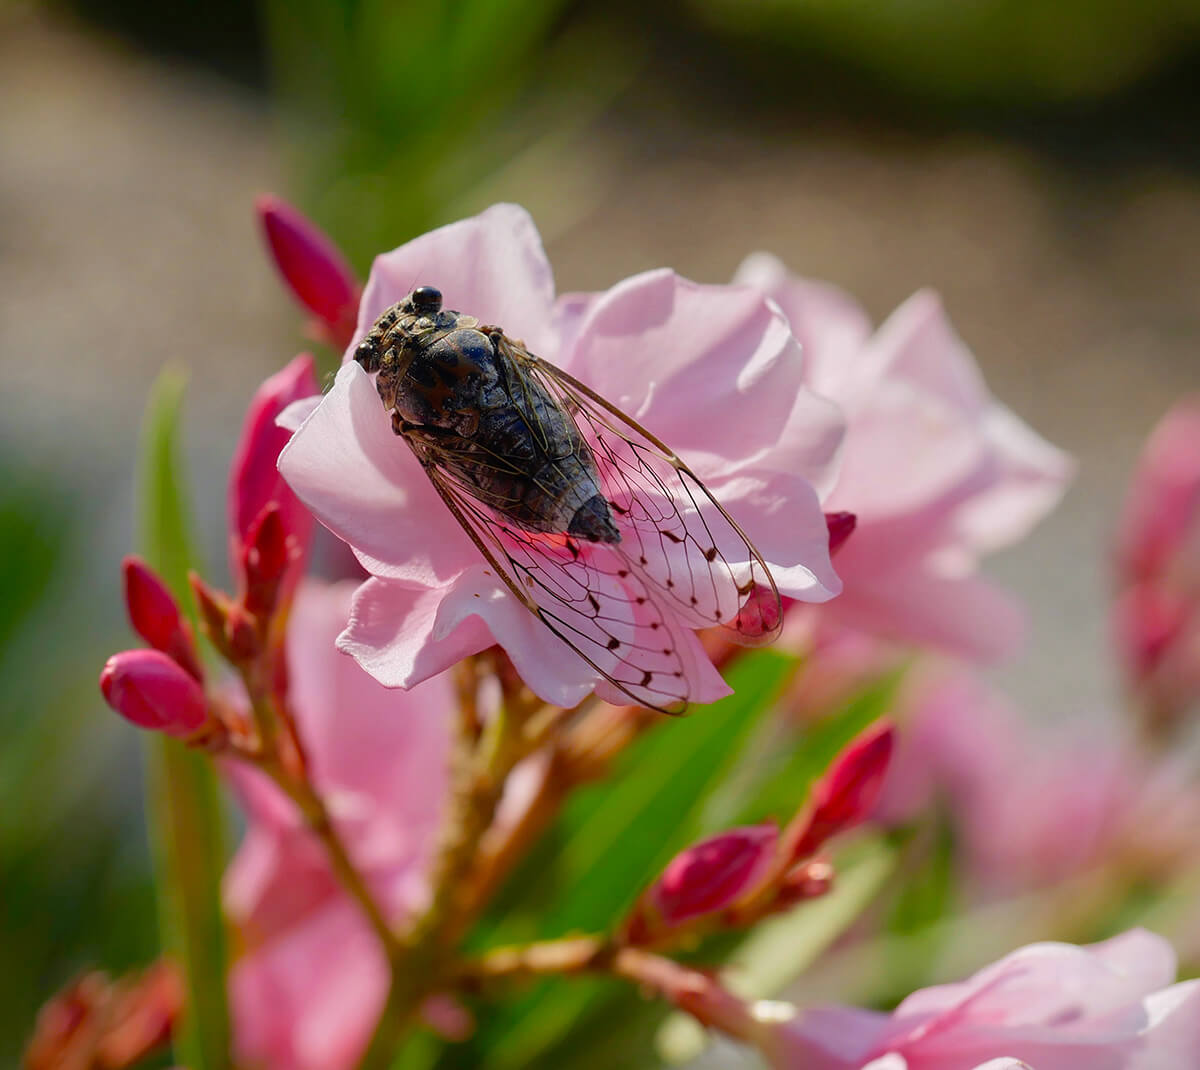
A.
pixel 162 688
pixel 744 874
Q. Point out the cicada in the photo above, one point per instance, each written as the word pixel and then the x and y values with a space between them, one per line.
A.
pixel 595 525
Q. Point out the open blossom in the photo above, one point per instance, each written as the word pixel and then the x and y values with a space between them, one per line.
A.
pixel 1108 1006
pixel 936 472
pixel 311 978
pixel 712 371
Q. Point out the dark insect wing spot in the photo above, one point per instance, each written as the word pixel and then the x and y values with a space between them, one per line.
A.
pixel 647 676
pixel 623 573
pixel 696 600
pixel 595 602
pixel 613 644
pixel 710 554
pixel 671 535
pixel 640 600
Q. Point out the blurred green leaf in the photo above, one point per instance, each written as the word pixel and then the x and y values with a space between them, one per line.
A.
pixel 182 800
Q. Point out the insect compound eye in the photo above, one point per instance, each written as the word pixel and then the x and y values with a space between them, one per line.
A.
pixel 426 300
pixel 365 355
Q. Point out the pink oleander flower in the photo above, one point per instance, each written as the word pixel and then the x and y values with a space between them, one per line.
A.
pixel 937 473
pixel 1156 615
pixel 1032 807
pixel 713 371
pixel 1108 1006
pixel 311 978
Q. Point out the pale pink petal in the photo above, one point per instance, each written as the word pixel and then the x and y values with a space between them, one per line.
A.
pixel 297 412
pixel 917 344
pixel 964 615
pixel 1043 983
pixel 829 324
pixel 311 1000
pixel 1051 1006
pixel 908 451
pixel 705 368
pixel 365 485
pixel 375 740
pixel 1028 478
pixel 491 266
pixel 402 635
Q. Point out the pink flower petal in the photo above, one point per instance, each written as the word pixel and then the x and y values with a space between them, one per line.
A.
pixel 364 484
pixel 707 369
pixel 829 324
pixel 491 266
pixel 403 634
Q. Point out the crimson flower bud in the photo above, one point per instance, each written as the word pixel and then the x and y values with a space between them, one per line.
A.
pixel 154 614
pixel 845 795
pixel 268 552
pixel 703 879
pixel 841 526
pixel 311 265
pixel 254 480
pixel 149 689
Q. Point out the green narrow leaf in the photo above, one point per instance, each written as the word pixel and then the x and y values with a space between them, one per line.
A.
pixel 182 801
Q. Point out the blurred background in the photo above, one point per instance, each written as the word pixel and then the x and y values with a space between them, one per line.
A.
pixel 1039 164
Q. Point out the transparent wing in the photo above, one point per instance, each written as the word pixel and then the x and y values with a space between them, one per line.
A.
pixel 585 594
pixel 628 608
pixel 676 537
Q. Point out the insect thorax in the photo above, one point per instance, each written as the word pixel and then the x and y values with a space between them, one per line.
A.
pixel 509 443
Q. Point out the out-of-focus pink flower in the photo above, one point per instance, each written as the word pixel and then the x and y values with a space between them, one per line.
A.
pixel 154 614
pixel 154 691
pixel 1109 1006
pixel 1031 808
pixel 311 980
pixel 1156 615
pixel 312 266
pixel 936 472
pixel 846 793
pixel 254 480
pixel 713 371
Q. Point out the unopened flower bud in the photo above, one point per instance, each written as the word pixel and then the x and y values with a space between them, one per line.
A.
pixel 841 526
pixel 704 879
pixel 268 552
pixel 760 614
pixel 155 616
pixel 153 691
pixel 255 483
pixel 313 268
pixel 845 795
